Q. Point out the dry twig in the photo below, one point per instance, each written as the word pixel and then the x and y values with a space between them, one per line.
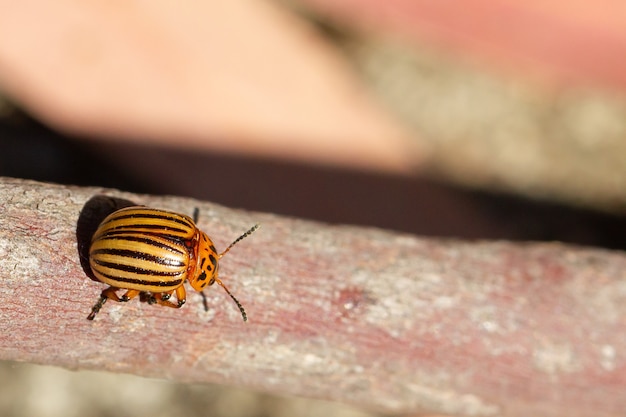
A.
pixel 385 321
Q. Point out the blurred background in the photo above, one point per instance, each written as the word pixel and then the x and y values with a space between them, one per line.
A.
pixel 494 121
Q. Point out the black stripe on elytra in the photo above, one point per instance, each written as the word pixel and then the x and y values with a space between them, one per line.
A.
pixel 213 259
pixel 159 227
pixel 167 235
pixel 134 269
pixel 148 241
pixel 143 215
pixel 160 233
pixel 127 253
pixel 142 282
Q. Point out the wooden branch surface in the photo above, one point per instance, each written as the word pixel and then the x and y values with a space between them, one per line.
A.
pixel 386 321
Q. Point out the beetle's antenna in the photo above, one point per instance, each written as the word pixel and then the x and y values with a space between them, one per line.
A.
pixel 248 233
pixel 243 312
pixel 221 284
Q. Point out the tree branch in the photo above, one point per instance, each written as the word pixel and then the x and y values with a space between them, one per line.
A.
pixel 386 321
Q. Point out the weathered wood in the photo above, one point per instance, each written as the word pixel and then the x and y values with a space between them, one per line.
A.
pixel 385 321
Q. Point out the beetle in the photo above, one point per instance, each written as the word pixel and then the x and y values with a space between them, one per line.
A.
pixel 151 252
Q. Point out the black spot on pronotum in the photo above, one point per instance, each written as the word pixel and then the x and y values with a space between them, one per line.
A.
pixel 208 267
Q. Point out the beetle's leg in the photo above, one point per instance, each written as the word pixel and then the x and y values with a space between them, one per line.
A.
pixel 181 295
pixel 128 295
pixel 163 298
pixel 205 303
pixel 196 212
pixel 96 308
pixel 147 297
pixel 106 294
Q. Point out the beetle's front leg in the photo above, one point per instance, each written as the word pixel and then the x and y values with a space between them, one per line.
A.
pixel 164 297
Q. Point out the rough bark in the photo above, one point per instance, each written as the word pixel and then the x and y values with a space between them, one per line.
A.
pixel 386 321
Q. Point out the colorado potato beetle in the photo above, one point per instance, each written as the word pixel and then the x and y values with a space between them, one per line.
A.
pixel 151 252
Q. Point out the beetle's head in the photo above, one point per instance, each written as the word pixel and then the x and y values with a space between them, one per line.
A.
pixel 207 266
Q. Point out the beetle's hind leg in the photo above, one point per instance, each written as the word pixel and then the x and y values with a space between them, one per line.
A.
pixel 96 308
pixel 163 298
pixel 128 295
pixel 106 294
pixel 111 293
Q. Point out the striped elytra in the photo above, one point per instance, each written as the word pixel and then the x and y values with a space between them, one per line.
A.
pixel 152 252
